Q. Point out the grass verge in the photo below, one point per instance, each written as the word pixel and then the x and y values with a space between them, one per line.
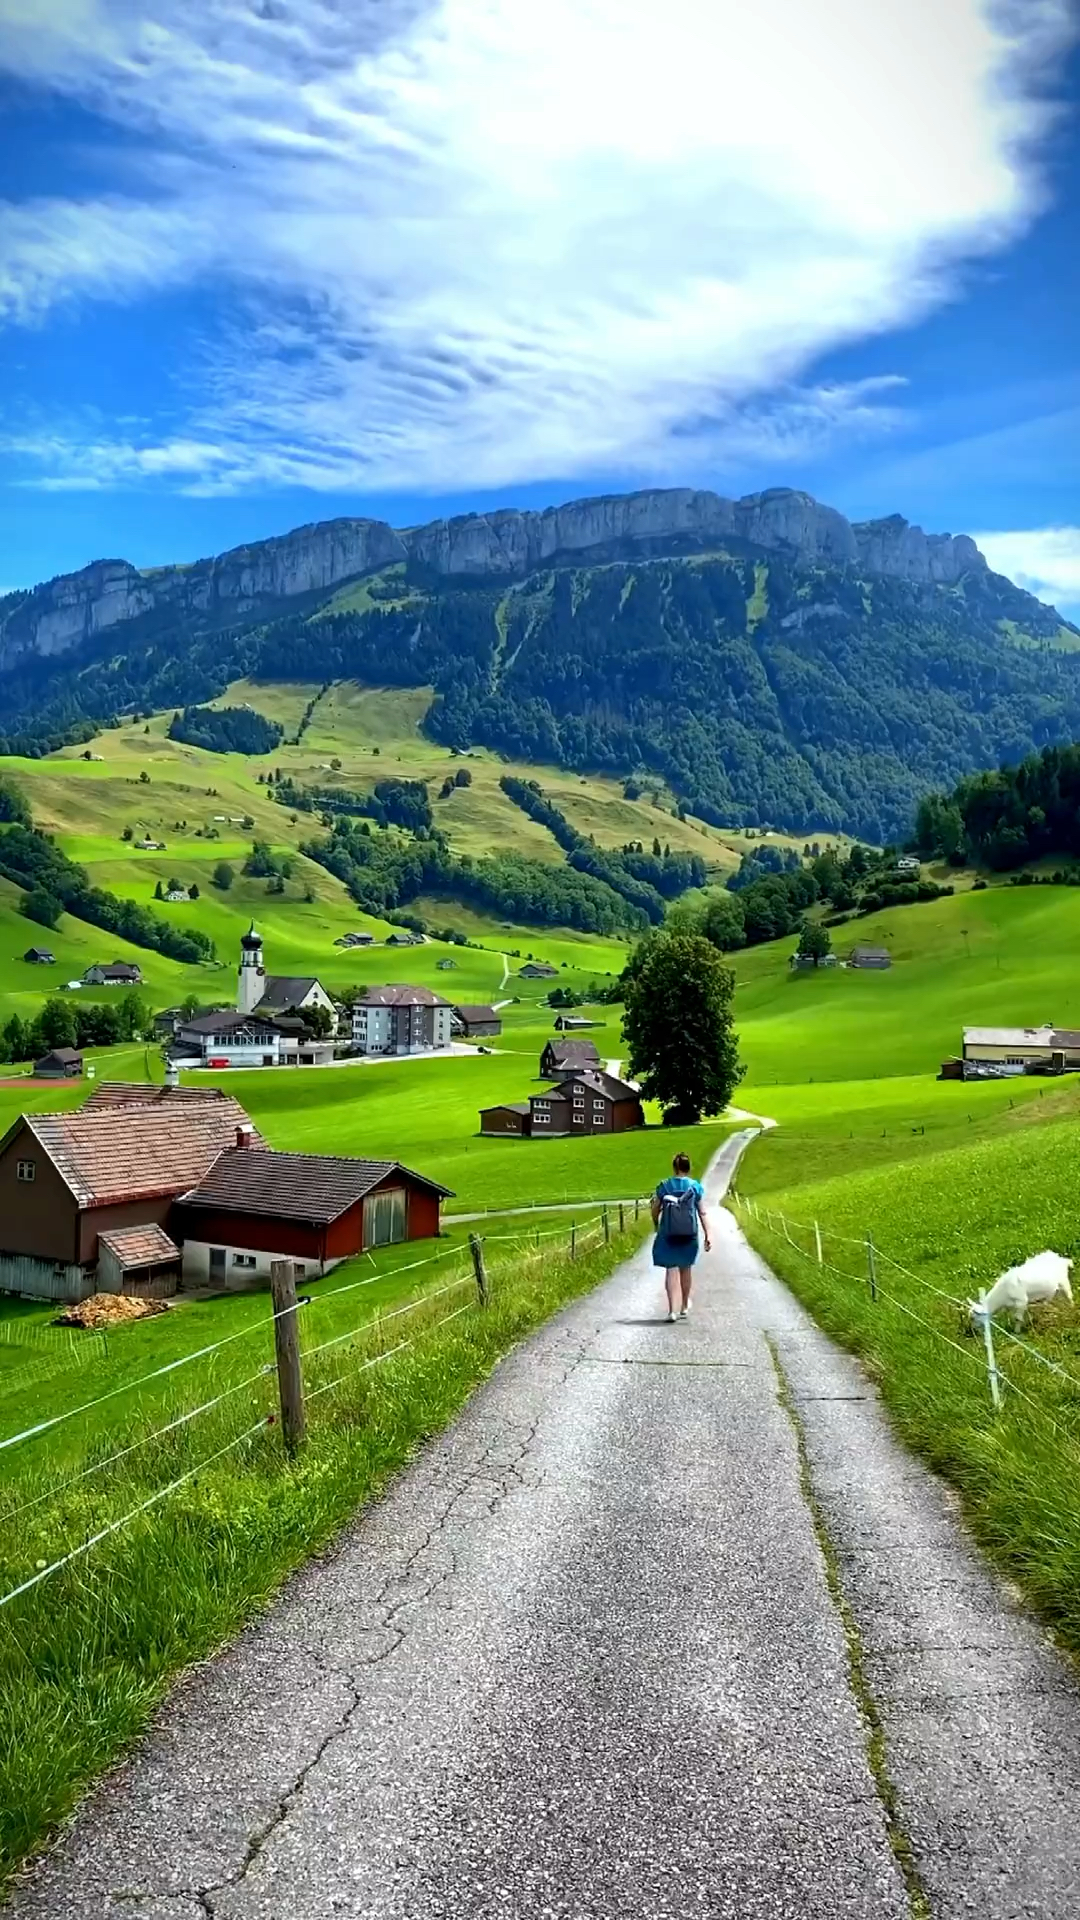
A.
pixel 87 1655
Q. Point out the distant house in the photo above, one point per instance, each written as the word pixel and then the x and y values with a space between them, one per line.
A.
pixel 537 970
pixel 804 963
pixel 573 1022
pixel 252 1207
pixel 910 864
pixel 878 957
pixel 355 940
pixel 992 1051
pixel 114 973
pixel 444 966
pixel 63 1063
pixel 400 1019
pixel 40 957
pixel 288 992
pixel 178 893
pixel 566 1056
pixel 146 845
pixel 587 1102
pixel 405 938
pixel 475 1023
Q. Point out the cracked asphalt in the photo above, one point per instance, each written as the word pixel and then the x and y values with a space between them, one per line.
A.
pixel 584 1660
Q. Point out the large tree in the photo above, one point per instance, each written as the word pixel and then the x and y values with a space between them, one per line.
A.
pixel 678 1026
pixel 814 942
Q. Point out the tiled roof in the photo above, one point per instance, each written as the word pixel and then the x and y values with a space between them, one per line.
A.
pixel 226 1021
pixel 573 1053
pixel 143 1093
pixel 602 1082
pixel 286 989
pixel 509 1106
pixel 139 1246
pixel 312 1187
pixel 111 1153
pixel 67 1055
pixel 400 996
pixel 477 1013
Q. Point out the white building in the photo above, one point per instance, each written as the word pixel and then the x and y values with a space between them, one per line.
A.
pixel 247 1040
pixel 401 1019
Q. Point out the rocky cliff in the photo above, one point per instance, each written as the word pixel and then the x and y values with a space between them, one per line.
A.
pixel 76 607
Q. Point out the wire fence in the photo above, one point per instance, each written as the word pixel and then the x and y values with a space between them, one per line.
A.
pixel 970 1315
pixel 298 1385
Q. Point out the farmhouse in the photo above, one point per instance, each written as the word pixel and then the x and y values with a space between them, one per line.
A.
pixel 1024 1049
pixel 878 957
pixel 573 1022
pixel 274 992
pixel 909 865
pixel 475 1023
pixel 400 1019
pixel 804 962
pixel 355 940
pixel 66 1178
pixel 253 1207
pixel 114 973
pixel 405 938
pixel 586 1102
pixel 566 1056
pixel 537 970
pixel 63 1063
pixel 40 957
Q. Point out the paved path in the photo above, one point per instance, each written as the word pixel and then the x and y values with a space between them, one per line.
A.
pixel 585 1660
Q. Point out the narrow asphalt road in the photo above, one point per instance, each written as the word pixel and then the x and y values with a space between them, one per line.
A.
pixel 587 1658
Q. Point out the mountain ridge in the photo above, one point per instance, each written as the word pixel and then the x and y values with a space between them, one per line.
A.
pixel 507 544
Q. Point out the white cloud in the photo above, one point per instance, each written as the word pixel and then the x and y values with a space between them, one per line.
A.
pixel 1045 560
pixel 478 242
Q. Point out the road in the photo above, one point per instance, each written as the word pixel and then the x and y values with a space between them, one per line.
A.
pixel 589 1659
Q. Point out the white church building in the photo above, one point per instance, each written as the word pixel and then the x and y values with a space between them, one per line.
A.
pixel 274 992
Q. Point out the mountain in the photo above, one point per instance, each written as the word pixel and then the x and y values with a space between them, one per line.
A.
pixel 774 660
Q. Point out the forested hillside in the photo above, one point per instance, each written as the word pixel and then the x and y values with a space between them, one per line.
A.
pixel 811 697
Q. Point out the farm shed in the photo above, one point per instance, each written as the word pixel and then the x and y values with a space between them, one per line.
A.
pixel 63 1063
pixel 475 1023
pixel 872 957
pixel 253 1206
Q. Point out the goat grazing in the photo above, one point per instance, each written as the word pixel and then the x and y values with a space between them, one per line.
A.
pixel 1041 1278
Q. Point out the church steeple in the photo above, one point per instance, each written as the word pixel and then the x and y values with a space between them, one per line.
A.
pixel 251 980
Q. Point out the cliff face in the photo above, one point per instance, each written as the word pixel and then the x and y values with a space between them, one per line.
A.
pixel 503 545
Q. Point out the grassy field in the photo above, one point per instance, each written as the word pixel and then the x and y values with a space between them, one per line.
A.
pixel 86 1654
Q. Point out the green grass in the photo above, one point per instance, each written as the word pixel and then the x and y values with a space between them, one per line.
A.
pixel 87 1655
pixel 990 1181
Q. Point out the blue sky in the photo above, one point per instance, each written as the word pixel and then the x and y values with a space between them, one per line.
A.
pixel 268 261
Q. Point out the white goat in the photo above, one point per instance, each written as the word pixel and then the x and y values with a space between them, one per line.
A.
pixel 1040 1278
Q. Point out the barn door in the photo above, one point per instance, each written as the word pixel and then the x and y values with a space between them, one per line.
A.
pixel 384 1218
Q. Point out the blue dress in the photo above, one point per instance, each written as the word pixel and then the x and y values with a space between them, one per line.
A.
pixel 666 1253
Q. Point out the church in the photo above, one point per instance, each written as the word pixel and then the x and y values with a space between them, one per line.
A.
pixel 274 993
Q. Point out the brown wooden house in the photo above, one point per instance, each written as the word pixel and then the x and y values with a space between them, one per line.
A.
pixel 588 1102
pixel 63 1063
pixel 475 1023
pixel 567 1056
pixel 254 1206
pixel 67 1178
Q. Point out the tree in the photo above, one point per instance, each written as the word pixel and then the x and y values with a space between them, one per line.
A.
pixel 144 778
pixel 41 905
pixel 159 891
pixel 814 942
pixel 13 805
pixel 58 1025
pixel 223 876
pixel 678 1027
pixel 463 778
pixel 193 891
pixel 724 922
pixel 16 1039
pixel 127 834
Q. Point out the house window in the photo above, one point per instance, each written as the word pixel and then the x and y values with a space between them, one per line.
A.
pixel 541 1106
pixel 598 1106
pixel 579 1119
pixel 244 1260
pixel 26 1170
pixel 384 1218
pixel 542 1119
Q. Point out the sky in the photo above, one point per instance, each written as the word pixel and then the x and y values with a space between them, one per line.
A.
pixel 270 261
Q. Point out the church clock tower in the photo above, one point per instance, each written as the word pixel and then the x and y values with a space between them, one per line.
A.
pixel 251 980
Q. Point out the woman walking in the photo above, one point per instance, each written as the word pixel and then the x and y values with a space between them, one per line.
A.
pixel 678 1208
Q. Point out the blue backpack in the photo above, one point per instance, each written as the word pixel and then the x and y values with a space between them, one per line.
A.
pixel 679 1215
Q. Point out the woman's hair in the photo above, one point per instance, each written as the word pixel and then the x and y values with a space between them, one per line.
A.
pixel 681 1163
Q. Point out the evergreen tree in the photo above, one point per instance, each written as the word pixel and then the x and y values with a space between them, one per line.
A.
pixel 679 1029
pixel 223 876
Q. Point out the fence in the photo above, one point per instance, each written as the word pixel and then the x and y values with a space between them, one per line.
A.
pixel 872 1257
pixel 294 1366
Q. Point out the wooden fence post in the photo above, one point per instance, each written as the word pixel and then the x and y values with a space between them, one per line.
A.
pixel 477 1251
pixel 637 1208
pixel 871 1266
pixel 287 1349
pixel 622 1218
pixel 573 1239
pixel 607 1227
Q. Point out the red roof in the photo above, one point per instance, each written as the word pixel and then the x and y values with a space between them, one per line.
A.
pixel 108 1154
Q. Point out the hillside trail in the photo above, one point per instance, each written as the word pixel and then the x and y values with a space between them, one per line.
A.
pixel 665 1623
